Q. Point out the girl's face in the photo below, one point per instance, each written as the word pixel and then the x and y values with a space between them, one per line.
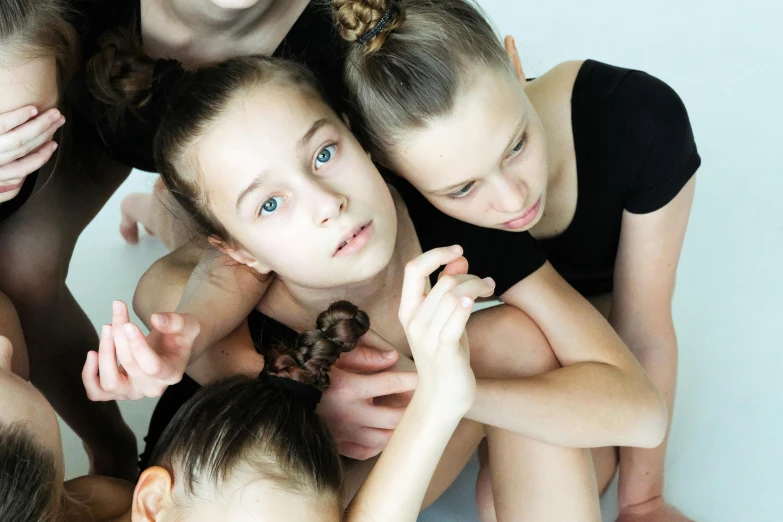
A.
pixel 25 82
pixel 296 191
pixel 486 162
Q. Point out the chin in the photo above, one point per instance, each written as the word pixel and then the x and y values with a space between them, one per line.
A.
pixel 235 4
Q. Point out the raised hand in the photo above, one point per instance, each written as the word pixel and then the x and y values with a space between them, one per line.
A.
pixel 434 322
pixel 147 366
pixel 26 142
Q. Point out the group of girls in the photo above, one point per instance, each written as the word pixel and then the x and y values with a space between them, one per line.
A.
pixel 349 165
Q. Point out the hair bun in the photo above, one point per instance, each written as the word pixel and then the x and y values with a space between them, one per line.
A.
pixel 358 21
pixel 338 330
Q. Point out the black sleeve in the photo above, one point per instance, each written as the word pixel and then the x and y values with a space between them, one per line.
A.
pixel 506 257
pixel 668 155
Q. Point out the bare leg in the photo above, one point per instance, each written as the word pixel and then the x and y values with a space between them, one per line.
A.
pixel 159 214
pixel 538 482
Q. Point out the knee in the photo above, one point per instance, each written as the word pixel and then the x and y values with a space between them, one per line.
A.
pixel 161 286
pixel 506 342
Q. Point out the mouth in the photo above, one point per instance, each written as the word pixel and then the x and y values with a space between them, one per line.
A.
pixel 354 240
pixel 525 219
pixel 10 188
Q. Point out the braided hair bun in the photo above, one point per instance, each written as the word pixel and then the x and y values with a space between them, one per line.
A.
pixel 311 358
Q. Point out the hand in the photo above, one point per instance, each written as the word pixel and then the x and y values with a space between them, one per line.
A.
pixel 654 510
pixel 26 141
pixel 435 322
pixel 6 353
pixel 361 428
pixel 148 365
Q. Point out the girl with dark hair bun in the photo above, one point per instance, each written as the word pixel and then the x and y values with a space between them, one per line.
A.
pixel 272 175
pixel 253 448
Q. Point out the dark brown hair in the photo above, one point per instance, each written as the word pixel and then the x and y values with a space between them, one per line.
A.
pixel 38 28
pixel 198 103
pixel 411 72
pixel 252 423
pixel 27 477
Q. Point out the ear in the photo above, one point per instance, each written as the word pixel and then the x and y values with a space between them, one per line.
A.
pixel 152 496
pixel 240 255
pixel 513 54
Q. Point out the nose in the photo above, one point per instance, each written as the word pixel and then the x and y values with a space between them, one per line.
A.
pixel 509 195
pixel 326 202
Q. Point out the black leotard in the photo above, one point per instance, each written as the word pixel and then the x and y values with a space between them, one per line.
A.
pixel 11 206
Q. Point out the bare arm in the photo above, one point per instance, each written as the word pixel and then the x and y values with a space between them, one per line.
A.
pixel 647 259
pixel 600 397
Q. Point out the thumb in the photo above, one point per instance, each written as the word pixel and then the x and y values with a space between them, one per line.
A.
pixel 365 359
pixel 173 323
pixel 457 267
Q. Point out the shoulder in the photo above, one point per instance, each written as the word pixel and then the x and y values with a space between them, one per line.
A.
pixel 104 498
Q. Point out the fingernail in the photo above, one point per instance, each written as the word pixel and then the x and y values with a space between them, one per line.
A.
pixel 54 147
pixel 105 330
pixel 116 306
pixel 161 319
pixel 456 249
pixel 33 111
pixel 389 354
pixel 55 115
pixel 128 329
pixel 489 281
pixel 466 302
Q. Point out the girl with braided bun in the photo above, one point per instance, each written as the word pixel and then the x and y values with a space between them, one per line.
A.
pixel 253 448
pixel 278 183
pixel 591 166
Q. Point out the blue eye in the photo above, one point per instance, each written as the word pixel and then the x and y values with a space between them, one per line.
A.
pixel 464 191
pixel 324 155
pixel 270 205
pixel 519 146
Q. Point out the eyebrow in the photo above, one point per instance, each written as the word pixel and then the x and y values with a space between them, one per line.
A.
pixel 260 180
pixel 318 125
pixel 514 133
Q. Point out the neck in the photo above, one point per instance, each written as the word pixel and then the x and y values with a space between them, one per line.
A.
pixel 203 16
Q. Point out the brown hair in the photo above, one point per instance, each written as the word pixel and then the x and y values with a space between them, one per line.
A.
pixel 120 74
pixel 38 28
pixel 196 105
pixel 250 422
pixel 411 72
pixel 27 477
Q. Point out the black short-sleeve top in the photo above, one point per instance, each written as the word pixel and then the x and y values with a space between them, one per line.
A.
pixel 634 151
pixel 312 41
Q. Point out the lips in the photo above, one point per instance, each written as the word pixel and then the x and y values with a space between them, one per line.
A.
pixel 10 188
pixel 349 238
pixel 525 219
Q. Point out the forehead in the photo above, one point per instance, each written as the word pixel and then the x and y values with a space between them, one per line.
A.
pixel 259 132
pixel 469 140
pixel 25 81
pixel 21 402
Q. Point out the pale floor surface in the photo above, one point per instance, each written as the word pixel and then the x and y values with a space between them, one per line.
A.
pixel 725 461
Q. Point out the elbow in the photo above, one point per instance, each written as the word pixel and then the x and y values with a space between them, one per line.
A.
pixel 652 421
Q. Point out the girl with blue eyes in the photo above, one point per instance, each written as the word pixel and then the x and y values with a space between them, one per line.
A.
pixel 278 183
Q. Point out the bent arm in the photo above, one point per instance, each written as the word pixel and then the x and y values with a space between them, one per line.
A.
pixel 600 397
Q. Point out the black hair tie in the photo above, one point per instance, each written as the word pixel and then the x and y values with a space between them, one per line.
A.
pixel 308 395
pixel 372 33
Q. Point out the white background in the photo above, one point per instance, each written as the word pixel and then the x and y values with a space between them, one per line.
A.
pixel 725 462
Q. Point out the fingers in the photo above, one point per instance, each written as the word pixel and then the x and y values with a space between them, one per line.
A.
pixel 28 164
pixel 417 271
pixel 386 383
pixel 365 359
pixel 22 139
pixel 383 417
pixel 456 267
pixel 119 314
pixel 6 353
pixel 107 361
pixel 452 330
pixel 92 384
pixel 11 120
pixel 173 323
pixel 165 370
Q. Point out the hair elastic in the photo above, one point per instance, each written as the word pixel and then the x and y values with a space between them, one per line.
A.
pixel 310 396
pixel 372 33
